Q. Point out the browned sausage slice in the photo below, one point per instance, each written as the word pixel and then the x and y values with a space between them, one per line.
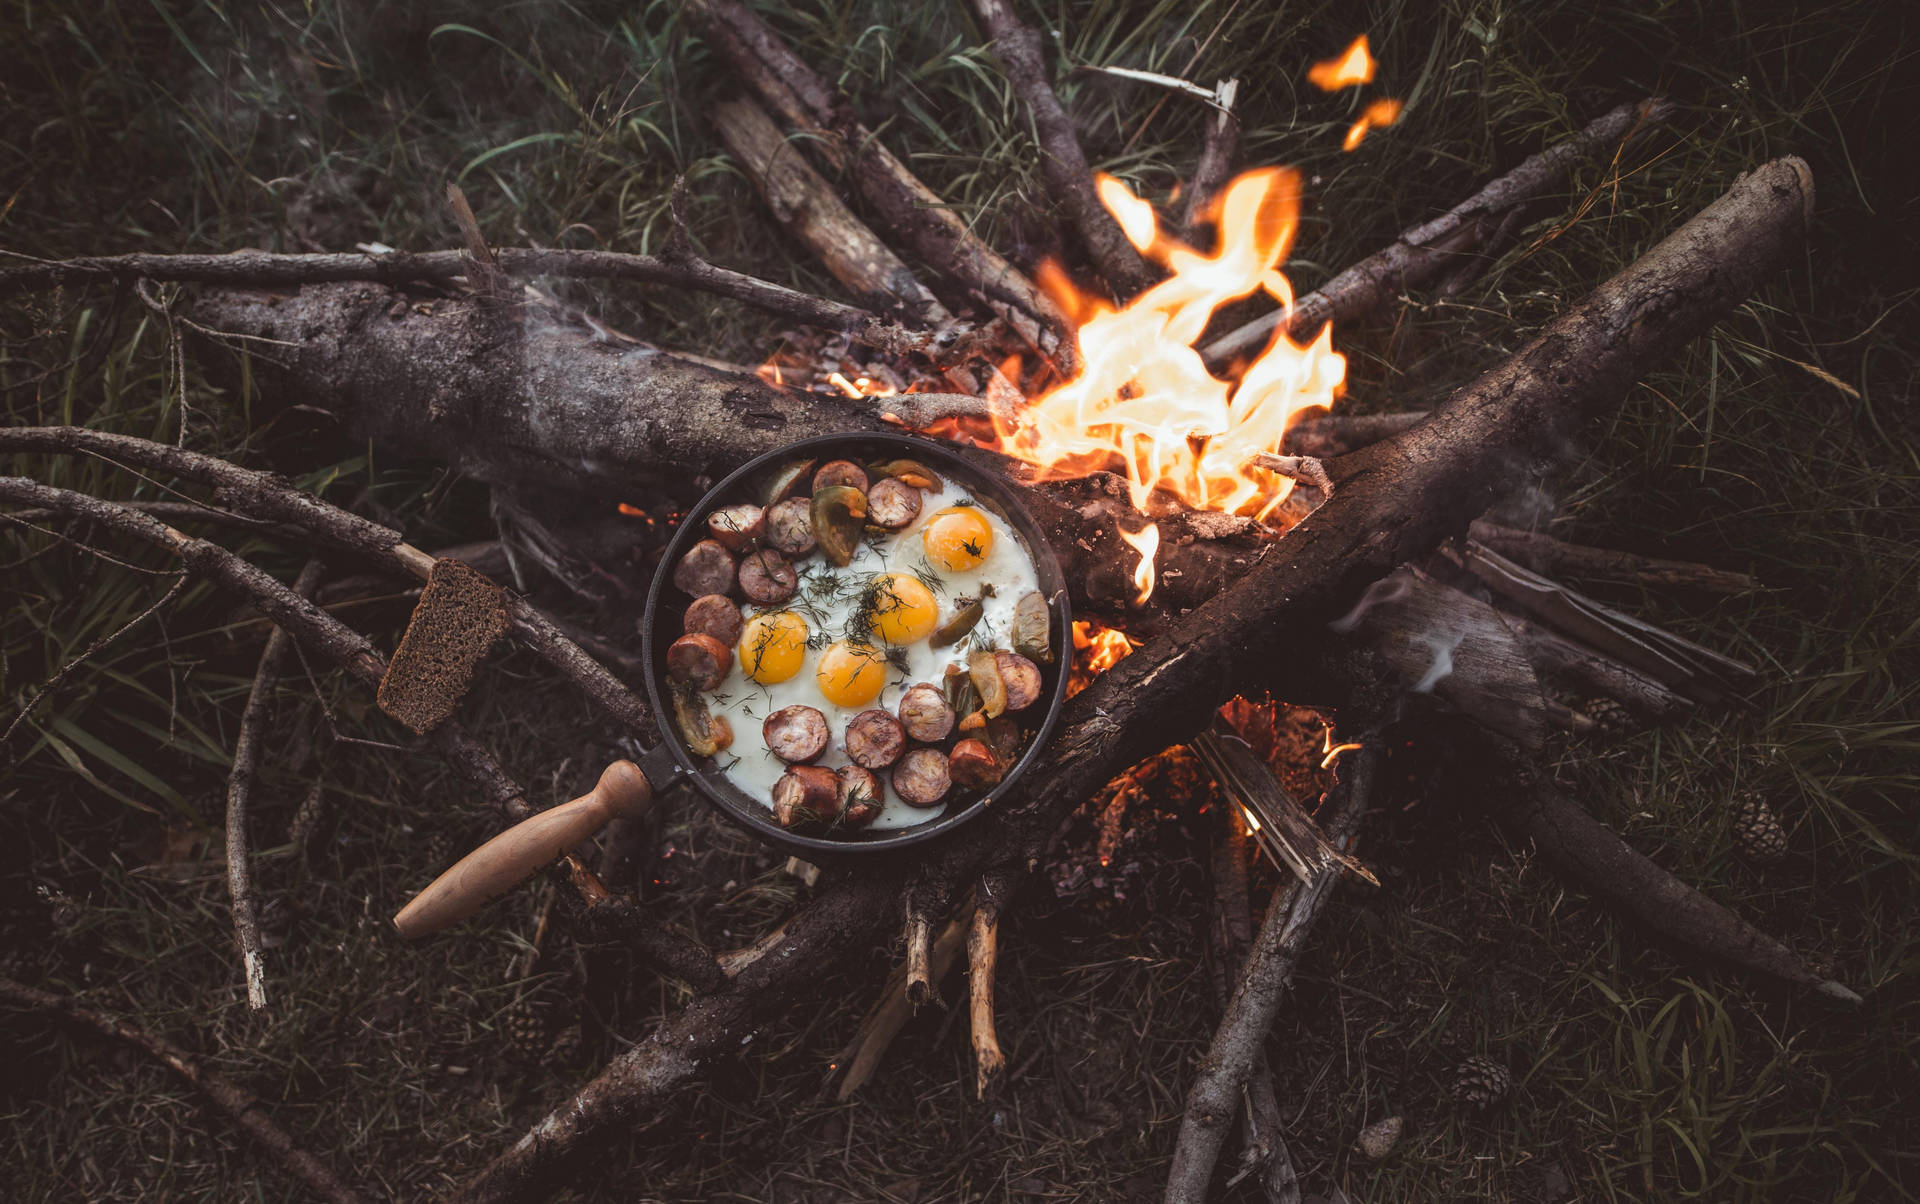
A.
pixel 737 527
pixel 1021 677
pixel 892 504
pixel 699 660
pixel 875 739
pixel 766 578
pixel 860 797
pixel 795 733
pixel 790 526
pixel 973 765
pixel 921 777
pixel 707 568
pixel 805 796
pixel 925 715
pixel 839 472
pixel 716 615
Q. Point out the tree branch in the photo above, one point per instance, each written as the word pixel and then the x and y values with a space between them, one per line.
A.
pixel 236 1101
pixel 1431 248
pixel 1069 178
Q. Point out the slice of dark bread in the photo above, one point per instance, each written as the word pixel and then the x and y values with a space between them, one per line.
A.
pixel 458 618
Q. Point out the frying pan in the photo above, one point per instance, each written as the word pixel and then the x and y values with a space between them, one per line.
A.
pixel 671 764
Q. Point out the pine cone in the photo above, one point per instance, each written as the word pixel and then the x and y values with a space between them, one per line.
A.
pixel 567 1045
pixel 1481 1083
pixel 529 1028
pixel 306 820
pixel 1757 833
pixel 1610 718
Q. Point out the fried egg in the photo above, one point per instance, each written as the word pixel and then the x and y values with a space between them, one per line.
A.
pixel 858 637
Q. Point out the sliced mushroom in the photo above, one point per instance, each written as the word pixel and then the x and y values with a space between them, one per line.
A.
pixel 704 732
pixel 912 472
pixel 794 478
pixel 984 669
pixel 839 517
pixel 1033 628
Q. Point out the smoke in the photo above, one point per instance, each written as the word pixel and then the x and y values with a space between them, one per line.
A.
pixel 1442 666
pixel 1392 588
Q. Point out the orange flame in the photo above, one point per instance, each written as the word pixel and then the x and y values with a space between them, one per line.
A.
pixel 1146 541
pixel 1382 112
pixel 1096 649
pixel 1344 70
pixel 1145 398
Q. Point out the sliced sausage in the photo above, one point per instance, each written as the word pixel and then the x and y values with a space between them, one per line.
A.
pixel 839 472
pixel 795 733
pixel 737 527
pixel 860 798
pixel 806 796
pixel 790 526
pixel 766 578
pixel 875 739
pixel 892 504
pixel 1021 678
pixel 925 715
pixel 707 568
pixel 699 660
pixel 921 778
pixel 716 615
pixel 973 765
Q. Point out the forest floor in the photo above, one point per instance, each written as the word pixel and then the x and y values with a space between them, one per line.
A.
pixel 1781 444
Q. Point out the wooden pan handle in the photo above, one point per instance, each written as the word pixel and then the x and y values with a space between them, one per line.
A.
pixel 496 866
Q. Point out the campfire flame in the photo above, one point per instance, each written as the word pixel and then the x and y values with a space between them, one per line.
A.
pixel 1095 650
pixel 1379 113
pixel 1352 66
pixel 1144 400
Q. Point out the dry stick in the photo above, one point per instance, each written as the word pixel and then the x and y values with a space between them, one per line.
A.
pixel 919 941
pixel 807 207
pixel 1217 154
pixel 236 1101
pixel 914 213
pixel 1215 1096
pixel 1230 935
pixel 1061 159
pixel 1524 799
pixel 1433 247
pixel 1545 554
pixel 266 269
pixel 1397 501
pixel 246 921
pixel 272 497
pixel 320 633
pixel 857 1063
pixel 983 954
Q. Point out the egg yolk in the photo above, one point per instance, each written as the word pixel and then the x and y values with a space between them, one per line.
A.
pixel 958 538
pixel 772 646
pixel 851 675
pixel 903 609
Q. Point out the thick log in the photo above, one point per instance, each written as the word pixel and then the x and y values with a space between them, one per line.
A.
pixel 808 207
pixel 1396 501
pixel 908 210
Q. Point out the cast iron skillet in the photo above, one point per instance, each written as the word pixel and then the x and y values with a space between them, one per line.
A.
pixel 671 763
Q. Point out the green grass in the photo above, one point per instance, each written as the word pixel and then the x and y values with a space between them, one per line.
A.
pixel 1639 1073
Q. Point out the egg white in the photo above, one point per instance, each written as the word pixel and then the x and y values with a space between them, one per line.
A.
pixel 746 704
